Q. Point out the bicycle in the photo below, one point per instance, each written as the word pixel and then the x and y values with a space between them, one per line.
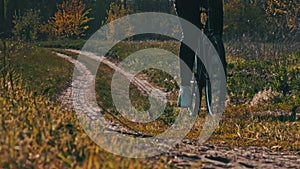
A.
pixel 201 78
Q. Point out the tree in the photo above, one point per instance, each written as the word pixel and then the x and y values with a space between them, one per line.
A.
pixel 2 17
pixel 244 19
pixel 151 6
pixel 285 18
pixel 116 11
pixel 99 14
pixel 26 26
pixel 70 21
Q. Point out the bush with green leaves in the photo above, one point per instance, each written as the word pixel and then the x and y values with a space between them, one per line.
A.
pixel 26 26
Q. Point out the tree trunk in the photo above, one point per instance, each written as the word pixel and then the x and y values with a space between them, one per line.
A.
pixel 2 20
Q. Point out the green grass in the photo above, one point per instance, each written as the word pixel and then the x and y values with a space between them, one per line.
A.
pixel 246 77
pixel 43 71
pixel 36 132
pixel 240 126
pixel 124 49
pixel 73 44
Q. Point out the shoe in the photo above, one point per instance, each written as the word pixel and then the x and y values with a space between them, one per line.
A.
pixel 185 97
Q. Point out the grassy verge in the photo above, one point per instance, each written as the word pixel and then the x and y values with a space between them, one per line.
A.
pixel 246 77
pixel 37 133
pixel 73 44
pixel 240 124
pixel 44 72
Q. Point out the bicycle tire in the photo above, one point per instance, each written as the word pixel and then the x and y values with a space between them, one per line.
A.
pixel 196 95
pixel 204 82
pixel 201 77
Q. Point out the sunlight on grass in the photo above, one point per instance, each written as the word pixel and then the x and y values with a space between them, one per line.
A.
pixel 36 132
pixel 43 71
pixel 239 125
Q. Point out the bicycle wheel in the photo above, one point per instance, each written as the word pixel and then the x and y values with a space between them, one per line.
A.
pixel 208 94
pixel 196 95
pixel 218 45
pixel 201 80
pixel 204 82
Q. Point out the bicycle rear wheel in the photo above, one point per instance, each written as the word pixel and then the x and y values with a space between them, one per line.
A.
pixel 217 42
pixel 196 95
pixel 208 95
pixel 203 81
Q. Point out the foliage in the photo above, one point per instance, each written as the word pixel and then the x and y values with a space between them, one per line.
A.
pixel 117 10
pixel 44 72
pixel 5 17
pixel 271 20
pixel 26 26
pixel 285 18
pixel 8 8
pixel 70 21
pixel 244 19
pixel 98 12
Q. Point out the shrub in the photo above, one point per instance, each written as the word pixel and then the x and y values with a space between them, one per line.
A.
pixel 117 11
pixel 69 21
pixel 244 19
pixel 26 26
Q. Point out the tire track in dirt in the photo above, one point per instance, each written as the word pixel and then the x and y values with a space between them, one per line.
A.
pixel 84 95
pixel 142 85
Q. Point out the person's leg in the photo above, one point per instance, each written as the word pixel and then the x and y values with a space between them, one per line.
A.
pixel 188 10
pixel 216 17
pixel 216 26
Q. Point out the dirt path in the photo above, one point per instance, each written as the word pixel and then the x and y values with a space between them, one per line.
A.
pixel 193 155
pixel 189 154
pixel 142 85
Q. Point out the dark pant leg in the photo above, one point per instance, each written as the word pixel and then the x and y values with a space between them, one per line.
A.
pixel 216 16
pixel 216 28
pixel 188 10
